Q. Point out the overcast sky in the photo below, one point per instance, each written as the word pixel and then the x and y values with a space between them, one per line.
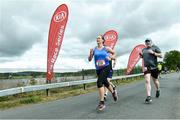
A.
pixel 24 26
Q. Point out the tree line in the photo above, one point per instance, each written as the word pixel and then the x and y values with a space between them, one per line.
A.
pixel 171 61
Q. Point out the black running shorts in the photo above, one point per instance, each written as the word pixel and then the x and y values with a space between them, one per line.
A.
pixel 102 76
pixel 154 73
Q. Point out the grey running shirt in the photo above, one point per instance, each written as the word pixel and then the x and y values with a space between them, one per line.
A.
pixel 150 60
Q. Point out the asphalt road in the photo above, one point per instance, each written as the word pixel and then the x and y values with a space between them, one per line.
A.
pixel 130 105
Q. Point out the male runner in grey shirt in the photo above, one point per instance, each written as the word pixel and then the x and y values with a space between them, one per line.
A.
pixel 149 55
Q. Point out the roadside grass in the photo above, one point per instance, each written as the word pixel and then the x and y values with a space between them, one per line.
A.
pixel 12 101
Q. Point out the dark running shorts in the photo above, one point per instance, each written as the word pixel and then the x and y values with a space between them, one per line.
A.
pixel 110 74
pixel 102 76
pixel 154 73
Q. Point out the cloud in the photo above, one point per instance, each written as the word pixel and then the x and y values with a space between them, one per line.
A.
pixel 25 24
pixel 18 36
pixel 167 39
pixel 131 19
pixel 150 17
pixel 18 31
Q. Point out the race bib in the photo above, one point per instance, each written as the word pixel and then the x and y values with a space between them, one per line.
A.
pixel 100 63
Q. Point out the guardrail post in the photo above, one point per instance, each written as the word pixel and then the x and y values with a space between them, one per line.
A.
pixel 117 72
pixel 47 90
pixel 83 79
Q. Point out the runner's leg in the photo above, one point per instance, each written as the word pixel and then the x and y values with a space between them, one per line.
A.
pixel 101 93
pixel 148 83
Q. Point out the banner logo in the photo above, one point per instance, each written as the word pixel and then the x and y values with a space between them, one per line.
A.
pixel 110 37
pixel 60 16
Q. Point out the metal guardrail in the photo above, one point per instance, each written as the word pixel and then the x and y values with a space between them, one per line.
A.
pixel 17 90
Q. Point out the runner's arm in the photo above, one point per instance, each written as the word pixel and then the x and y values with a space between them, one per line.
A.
pixel 113 56
pixel 155 53
pixel 91 53
pixel 158 54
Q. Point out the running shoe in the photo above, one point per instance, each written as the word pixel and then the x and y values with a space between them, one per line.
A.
pixel 157 93
pixel 101 106
pixel 115 96
pixel 148 99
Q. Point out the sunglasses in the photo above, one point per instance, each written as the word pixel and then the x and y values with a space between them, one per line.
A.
pixel 147 41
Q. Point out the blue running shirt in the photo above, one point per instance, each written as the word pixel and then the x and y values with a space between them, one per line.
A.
pixel 100 58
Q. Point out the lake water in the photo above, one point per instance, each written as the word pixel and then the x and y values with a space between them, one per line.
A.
pixel 11 83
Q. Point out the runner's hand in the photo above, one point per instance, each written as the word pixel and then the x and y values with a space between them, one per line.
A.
pixel 91 51
pixel 114 64
pixel 90 54
pixel 141 55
